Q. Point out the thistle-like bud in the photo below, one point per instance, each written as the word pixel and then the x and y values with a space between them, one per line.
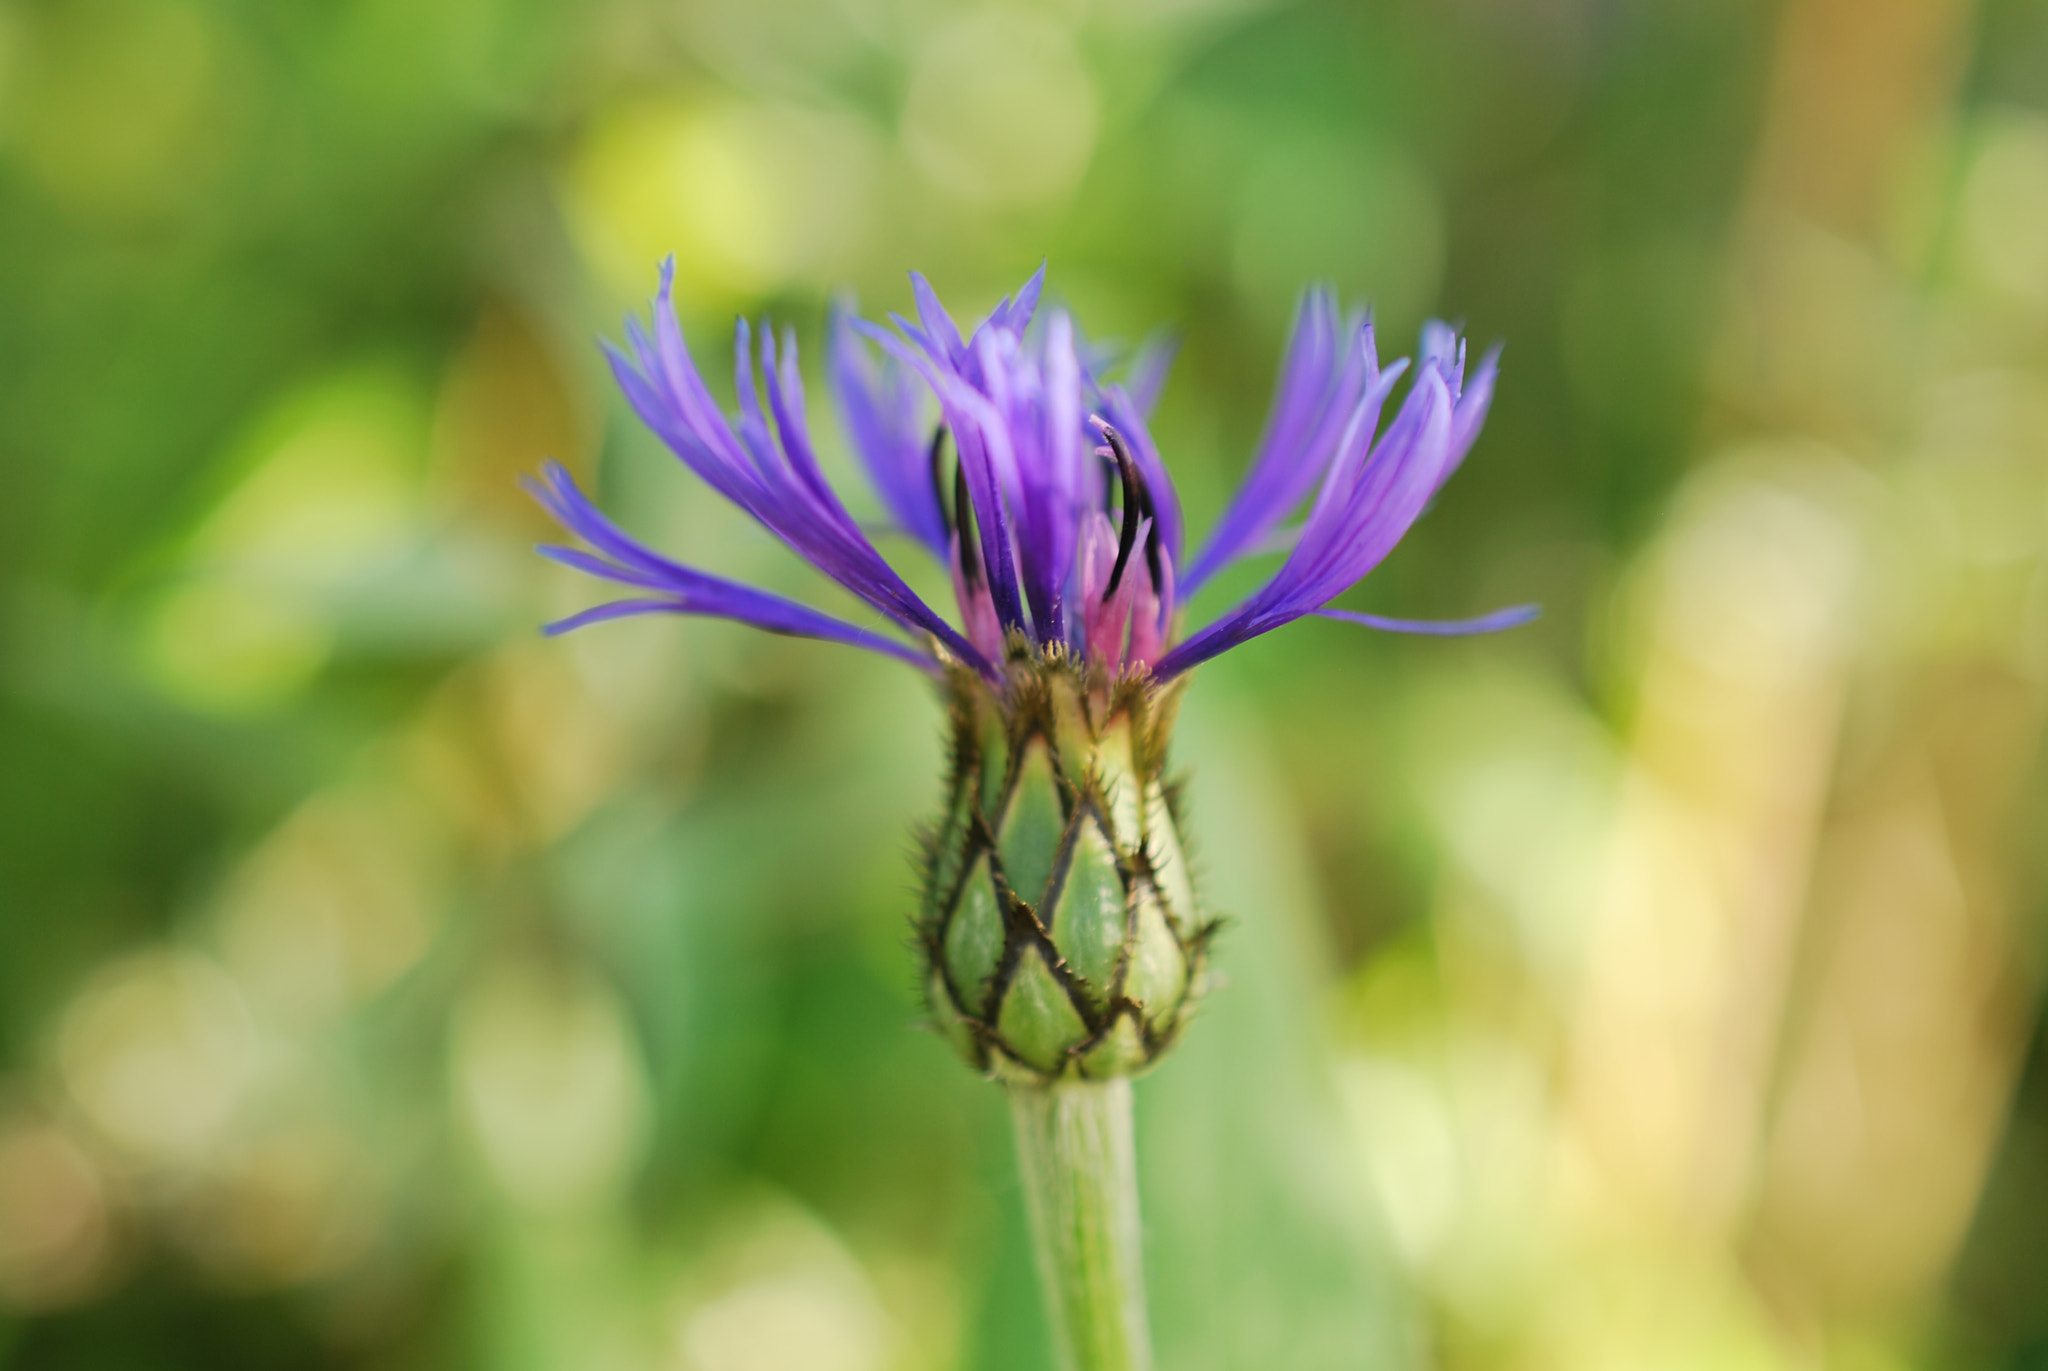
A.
pixel 1060 926
pixel 1061 929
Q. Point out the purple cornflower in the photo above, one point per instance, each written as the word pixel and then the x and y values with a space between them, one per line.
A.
pixel 1056 516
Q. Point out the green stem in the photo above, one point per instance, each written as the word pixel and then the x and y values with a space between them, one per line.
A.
pixel 1081 1177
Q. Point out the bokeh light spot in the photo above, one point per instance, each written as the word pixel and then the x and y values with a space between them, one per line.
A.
pixel 745 198
pixel 780 1292
pixel 108 102
pixel 790 1323
pixel 55 1231
pixel 288 1207
pixel 233 647
pixel 158 1052
pixel 330 909
pixel 1001 110
pixel 332 483
pixel 2003 210
pixel 548 1075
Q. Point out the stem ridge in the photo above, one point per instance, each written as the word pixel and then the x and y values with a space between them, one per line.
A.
pixel 1079 1166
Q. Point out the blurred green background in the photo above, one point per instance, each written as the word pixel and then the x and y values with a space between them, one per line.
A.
pixel 384 986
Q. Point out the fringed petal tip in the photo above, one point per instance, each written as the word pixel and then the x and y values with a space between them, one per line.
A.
pixel 1501 619
pixel 613 609
pixel 679 589
pixel 1013 313
pixel 1146 371
pixel 756 609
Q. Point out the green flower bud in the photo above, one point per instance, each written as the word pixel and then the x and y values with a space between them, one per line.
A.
pixel 1059 918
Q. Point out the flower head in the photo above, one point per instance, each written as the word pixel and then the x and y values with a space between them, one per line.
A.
pixel 1056 516
pixel 1060 923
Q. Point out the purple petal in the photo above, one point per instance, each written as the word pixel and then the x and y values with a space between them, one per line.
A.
pixel 770 472
pixel 562 498
pixel 1473 402
pixel 1014 314
pixel 983 442
pixel 1146 376
pixel 785 386
pixel 1037 403
pixel 1065 448
pixel 686 590
pixel 1321 380
pixel 667 361
pixel 699 592
pixel 578 560
pixel 1395 486
pixel 769 612
pixel 1283 539
pixel 887 430
pixel 681 437
pixel 615 609
pixel 981 438
pixel 1500 619
pixel 1444 348
pixel 939 327
pixel 1368 501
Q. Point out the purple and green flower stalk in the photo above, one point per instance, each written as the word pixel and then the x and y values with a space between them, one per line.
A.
pixel 1063 936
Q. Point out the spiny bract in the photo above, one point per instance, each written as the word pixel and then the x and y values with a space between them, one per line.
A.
pixel 1059 919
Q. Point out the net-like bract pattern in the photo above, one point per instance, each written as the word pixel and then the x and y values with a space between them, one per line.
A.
pixel 1059 918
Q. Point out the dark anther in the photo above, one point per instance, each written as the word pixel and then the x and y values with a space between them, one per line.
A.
pixel 963 524
pixel 1152 554
pixel 1137 505
pixel 939 474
